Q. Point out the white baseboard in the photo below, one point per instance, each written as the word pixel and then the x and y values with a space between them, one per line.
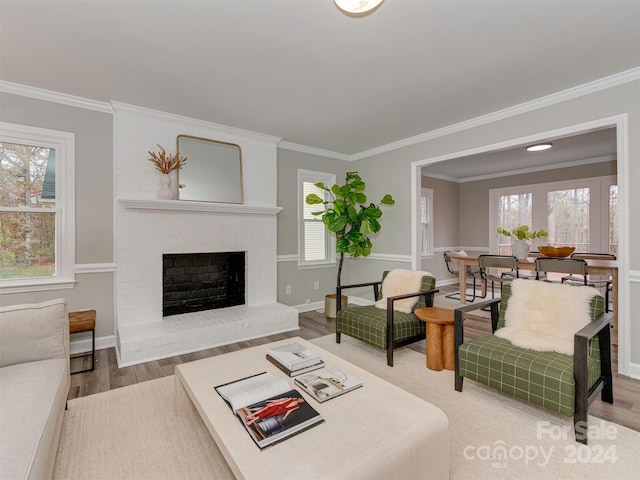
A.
pixel 83 346
pixel 633 370
pixel 309 307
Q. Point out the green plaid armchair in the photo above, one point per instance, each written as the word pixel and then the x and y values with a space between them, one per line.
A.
pixel 384 329
pixel 562 383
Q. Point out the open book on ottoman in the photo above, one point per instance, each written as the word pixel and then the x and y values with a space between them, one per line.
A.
pixel 268 408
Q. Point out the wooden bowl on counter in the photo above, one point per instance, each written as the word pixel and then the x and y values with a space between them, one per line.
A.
pixel 557 252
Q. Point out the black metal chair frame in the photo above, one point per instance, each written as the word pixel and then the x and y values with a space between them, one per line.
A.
pixel 606 283
pixel 562 265
pixel 505 276
pixel 470 271
pixel 584 395
pixel 390 344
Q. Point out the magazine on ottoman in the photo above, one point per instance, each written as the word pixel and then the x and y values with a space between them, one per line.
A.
pixel 268 408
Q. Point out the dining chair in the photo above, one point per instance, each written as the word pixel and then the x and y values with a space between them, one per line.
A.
pixel 486 262
pixel 520 273
pixel 573 266
pixel 604 283
pixel 453 268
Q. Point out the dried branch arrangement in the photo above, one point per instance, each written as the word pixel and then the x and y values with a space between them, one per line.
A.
pixel 166 163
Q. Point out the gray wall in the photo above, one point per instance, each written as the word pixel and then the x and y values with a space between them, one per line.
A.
pixel 94 202
pixel 445 223
pixel 392 171
pixel 301 280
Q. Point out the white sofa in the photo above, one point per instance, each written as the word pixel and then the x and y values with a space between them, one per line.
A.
pixel 34 384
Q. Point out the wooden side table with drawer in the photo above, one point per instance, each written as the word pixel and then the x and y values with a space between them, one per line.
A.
pixel 84 321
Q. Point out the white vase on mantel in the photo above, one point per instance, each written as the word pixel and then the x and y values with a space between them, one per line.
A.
pixel 520 248
pixel 165 192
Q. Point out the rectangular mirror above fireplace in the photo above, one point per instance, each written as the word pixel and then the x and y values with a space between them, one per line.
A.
pixel 213 172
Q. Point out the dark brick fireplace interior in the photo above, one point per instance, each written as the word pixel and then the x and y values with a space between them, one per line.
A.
pixel 193 282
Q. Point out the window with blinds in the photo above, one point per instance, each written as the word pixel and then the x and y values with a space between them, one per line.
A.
pixel 315 243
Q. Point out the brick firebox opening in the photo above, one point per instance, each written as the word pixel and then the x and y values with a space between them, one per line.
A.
pixel 193 282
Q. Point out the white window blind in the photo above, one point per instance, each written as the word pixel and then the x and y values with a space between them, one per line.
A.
pixel 315 242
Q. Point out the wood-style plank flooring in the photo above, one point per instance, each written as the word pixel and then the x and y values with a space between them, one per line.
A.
pixel 107 376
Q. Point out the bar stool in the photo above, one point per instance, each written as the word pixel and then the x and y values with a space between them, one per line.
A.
pixel 84 321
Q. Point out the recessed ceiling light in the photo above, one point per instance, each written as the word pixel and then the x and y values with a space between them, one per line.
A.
pixel 357 6
pixel 539 147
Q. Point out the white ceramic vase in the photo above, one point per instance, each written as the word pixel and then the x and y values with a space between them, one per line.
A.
pixel 165 192
pixel 520 248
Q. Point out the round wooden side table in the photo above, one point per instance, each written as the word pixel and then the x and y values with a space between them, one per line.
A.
pixel 440 337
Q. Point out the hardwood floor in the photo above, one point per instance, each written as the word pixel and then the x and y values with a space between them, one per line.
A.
pixel 107 376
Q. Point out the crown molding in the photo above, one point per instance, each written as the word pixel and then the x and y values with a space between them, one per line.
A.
pixel 49 96
pixel 194 122
pixel 558 97
pixel 542 102
pixel 314 151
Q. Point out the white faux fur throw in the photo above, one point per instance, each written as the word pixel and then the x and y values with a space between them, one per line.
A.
pixel 399 282
pixel 545 316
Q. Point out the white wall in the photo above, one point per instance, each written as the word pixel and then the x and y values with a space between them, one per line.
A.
pixel 143 235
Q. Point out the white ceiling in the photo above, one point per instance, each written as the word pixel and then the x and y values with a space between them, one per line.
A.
pixel 305 72
pixel 592 147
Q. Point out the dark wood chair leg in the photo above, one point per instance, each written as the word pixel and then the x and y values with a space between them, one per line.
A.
pixel 389 332
pixel 458 339
pixel 580 426
pixel 338 335
pixel 459 380
pixel 580 374
pixel 604 338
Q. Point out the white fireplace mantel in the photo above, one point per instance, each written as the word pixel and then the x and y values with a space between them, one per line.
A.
pixel 184 205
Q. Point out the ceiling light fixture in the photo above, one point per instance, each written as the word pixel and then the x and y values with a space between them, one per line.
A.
pixel 357 6
pixel 539 147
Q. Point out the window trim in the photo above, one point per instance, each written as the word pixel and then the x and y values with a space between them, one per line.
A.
pixel 65 238
pixel 599 187
pixel 313 177
pixel 428 192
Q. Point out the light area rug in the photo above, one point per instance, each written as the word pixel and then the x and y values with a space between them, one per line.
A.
pixel 133 433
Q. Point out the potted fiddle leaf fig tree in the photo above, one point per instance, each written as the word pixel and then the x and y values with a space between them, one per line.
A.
pixel 347 214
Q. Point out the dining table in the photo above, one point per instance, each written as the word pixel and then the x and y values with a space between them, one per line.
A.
pixel 595 266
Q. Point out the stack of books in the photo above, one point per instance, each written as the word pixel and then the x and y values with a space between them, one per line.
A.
pixel 294 359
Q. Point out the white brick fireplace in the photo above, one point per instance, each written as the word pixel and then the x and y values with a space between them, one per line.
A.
pixel 146 228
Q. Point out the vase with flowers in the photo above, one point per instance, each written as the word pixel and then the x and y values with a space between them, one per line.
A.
pixel 522 236
pixel 166 163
